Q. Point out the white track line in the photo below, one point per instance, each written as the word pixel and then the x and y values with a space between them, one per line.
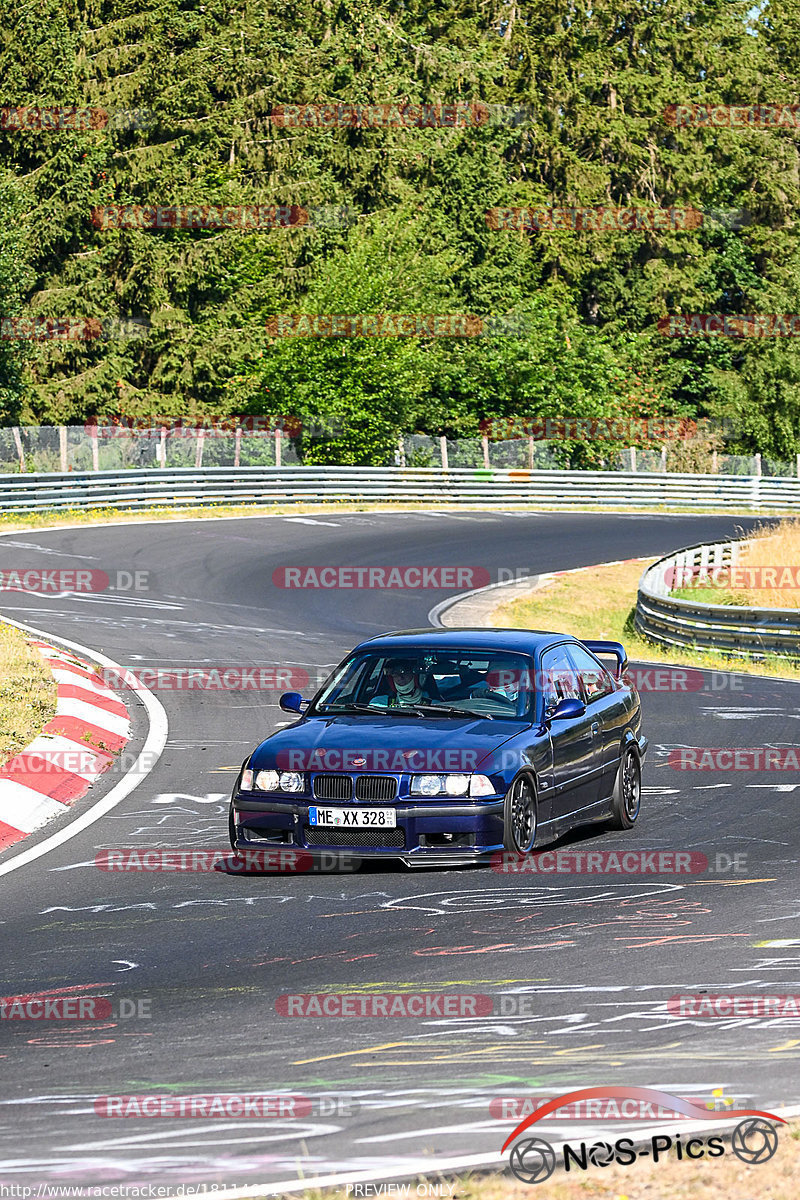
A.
pixel 151 751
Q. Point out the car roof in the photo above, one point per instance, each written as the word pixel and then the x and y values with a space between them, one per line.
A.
pixel 525 641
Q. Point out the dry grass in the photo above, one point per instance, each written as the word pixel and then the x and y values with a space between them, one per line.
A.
pixel 599 602
pixel 723 1178
pixel 27 692
pixel 772 546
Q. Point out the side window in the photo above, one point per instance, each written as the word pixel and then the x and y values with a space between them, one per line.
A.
pixel 559 679
pixel 595 680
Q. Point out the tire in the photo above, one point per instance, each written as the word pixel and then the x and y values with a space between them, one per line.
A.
pixel 626 799
pixel 519 816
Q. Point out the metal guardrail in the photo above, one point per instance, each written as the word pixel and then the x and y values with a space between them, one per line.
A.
pixel 734 629
pixel 142 489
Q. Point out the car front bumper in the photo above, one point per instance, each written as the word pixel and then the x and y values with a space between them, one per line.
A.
pixel 426 834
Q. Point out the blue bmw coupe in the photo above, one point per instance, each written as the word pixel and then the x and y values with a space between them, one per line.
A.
pixel 446 746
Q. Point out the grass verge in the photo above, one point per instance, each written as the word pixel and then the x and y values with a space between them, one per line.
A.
pixel 27 692
pixel 599 602
pixel 20 522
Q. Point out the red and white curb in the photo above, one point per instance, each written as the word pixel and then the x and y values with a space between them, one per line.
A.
pixel 74 748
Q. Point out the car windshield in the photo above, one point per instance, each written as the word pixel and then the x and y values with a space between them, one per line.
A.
pixel 496 684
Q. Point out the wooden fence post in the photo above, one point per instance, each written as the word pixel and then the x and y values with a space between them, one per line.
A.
pixel 21 452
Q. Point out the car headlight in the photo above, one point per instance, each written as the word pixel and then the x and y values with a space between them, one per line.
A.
pixel 246 782
pixel 439 785
pixel 456 785
pixel 426 785
pixel 291 781
pixel 481 785
pixel 267 781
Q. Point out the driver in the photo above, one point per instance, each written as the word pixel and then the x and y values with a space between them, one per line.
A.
pixel 403 675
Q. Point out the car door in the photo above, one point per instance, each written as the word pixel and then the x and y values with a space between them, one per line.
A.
pixel 607 710
pixel 576 763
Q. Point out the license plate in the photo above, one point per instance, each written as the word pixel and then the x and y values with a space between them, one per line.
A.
pixel 353 818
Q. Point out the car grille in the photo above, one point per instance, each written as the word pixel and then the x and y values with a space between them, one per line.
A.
pixel 374 838
pixel 368 787
pixel 375 787
pixel 333 787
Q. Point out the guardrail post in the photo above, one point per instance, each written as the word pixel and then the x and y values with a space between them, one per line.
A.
pixel 62 446
pixel 443 449
pixel 664 459
pixel 198 453
pixel 485 447
pixel 758 463
pixel 530 453
pixel 633 458
pixel 162 447
pixel 278 448
pixel 95 451
pixel 798 465
pixel 714 463
pixel 237 445
pixel 21 452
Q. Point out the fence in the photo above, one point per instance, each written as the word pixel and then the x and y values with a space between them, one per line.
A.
pixel 479 487
pixel 734 629
pixel 108 448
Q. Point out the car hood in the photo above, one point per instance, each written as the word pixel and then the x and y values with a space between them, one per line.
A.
pixel 393 744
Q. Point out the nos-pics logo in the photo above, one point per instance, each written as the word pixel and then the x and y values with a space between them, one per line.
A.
pixel 533 1160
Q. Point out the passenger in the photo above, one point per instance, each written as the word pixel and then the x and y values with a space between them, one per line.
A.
pixel 501 682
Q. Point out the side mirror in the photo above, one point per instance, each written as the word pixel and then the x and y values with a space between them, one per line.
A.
pixel 292 702
pixel 567 709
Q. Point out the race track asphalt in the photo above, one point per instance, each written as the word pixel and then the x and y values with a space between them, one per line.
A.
pixel 597 956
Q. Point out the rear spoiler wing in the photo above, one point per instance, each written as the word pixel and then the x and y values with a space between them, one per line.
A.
pixel 615 649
